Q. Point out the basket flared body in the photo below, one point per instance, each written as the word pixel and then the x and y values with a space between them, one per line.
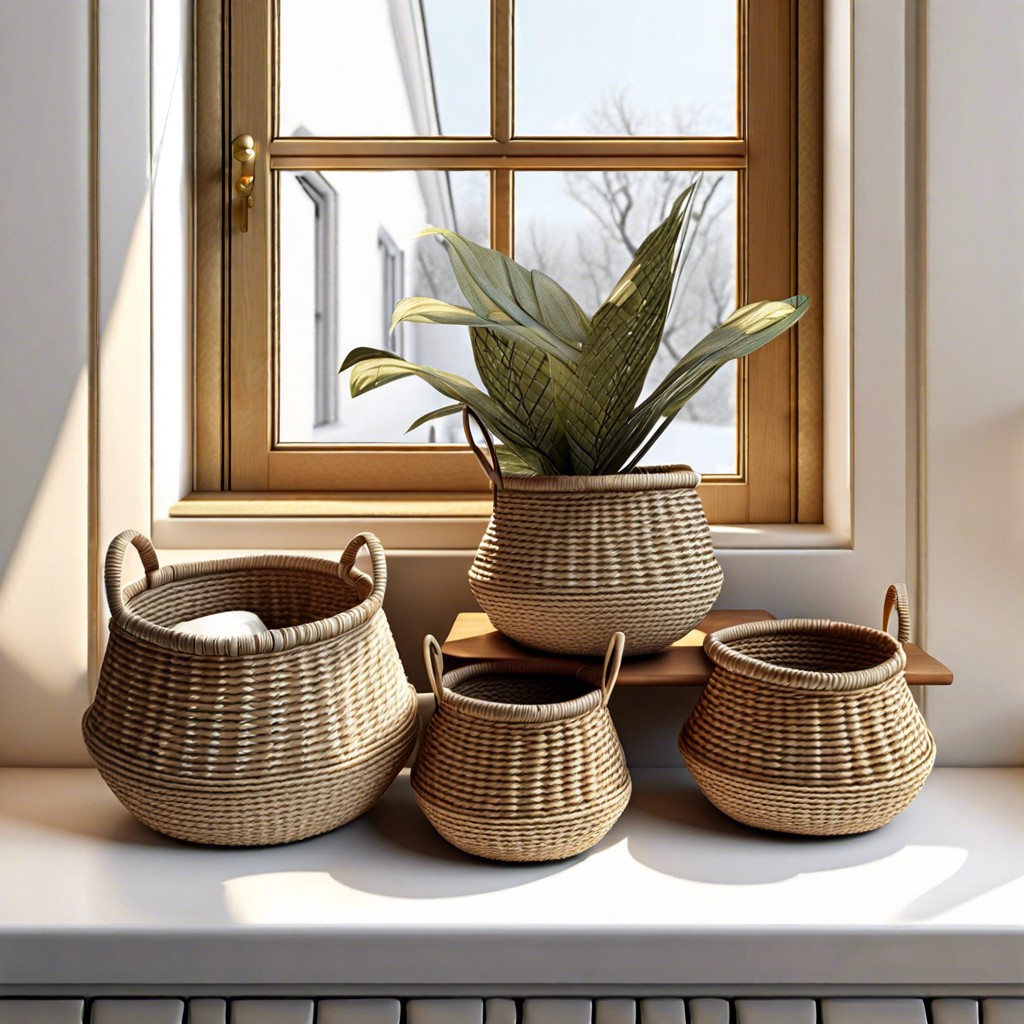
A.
pixel 519 790
pixel 566 561
pixel 294 735
pixel 801 749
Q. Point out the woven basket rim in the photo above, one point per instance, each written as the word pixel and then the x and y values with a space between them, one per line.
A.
pixel 716 646
pixel 553 668
pixel 645 478
pixel 273 641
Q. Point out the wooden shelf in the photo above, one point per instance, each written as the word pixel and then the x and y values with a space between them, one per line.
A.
pixel 473 638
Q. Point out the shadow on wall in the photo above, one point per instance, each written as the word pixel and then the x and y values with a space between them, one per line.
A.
pixel 426 590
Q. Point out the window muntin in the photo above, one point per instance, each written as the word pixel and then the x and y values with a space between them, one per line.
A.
pixel 778 468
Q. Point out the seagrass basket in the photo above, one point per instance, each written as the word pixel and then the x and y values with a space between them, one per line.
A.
pixel 255 740
pixel 521 761
pixel 567 560
pixel 808 726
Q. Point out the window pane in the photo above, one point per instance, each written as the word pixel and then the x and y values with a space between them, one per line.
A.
pixel 347 253
pixel 370 67
pixel 583 227
pixel 649 67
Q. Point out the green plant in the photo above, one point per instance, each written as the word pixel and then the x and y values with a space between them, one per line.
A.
pixel 563 389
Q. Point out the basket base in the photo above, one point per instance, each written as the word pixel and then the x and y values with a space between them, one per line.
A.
pixel 807 811
pixel 550 625
pixel 267 813
pixel 532 841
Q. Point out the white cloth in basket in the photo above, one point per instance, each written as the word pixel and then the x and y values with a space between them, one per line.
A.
pixel 223 624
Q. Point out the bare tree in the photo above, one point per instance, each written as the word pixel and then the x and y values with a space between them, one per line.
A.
pixel 622 207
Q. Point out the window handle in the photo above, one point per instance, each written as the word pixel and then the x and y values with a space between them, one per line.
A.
pixel 244 150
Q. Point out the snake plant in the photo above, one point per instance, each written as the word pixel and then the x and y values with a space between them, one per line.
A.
pixel 562 388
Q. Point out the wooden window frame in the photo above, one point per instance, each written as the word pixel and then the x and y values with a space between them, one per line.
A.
pixel 777 154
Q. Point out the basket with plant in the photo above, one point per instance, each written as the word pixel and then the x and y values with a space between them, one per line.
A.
pixel 583 540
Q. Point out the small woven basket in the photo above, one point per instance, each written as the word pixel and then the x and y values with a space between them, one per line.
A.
pixel 254 740
pixel 566 560
pixel 808 726
pixel 521 761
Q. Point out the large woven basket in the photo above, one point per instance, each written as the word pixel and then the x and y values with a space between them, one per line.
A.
pixel 808 726
pixel 566 560
pixel 521 761
pixel 252 740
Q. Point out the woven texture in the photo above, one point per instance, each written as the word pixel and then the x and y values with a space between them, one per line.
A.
pixel 253 740
pixel 807 726
pixel 521 761
pixel 566 561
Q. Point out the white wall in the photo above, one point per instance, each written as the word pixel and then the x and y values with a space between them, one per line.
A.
pixel 975 487
pixel 973 316
pixel 44 342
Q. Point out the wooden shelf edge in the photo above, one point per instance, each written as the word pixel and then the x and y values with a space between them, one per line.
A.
pixel 473 638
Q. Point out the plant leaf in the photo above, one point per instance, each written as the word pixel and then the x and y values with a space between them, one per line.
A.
pixel 598 394
pixel 492 282
pixel 519 379
pixel 559 310
pixel 373 368
pixel 742 333
pixel 511 464
pixel 436 414
pixel 422 310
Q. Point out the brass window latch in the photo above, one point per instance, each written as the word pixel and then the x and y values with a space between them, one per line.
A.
pixel 244 150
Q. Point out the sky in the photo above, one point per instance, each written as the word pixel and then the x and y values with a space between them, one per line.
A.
pixel 569 53
pixel 667 58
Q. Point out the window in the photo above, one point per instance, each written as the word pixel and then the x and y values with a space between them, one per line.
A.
pixel 324 253
pixel 392 288
pixel 480 115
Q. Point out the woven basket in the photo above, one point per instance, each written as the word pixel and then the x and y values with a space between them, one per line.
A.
pixel 521 761
pixel 808 726
pixel 566 560
pixel 252 740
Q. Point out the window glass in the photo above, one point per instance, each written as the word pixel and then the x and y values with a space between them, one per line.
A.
pixel 374 68
pixel 647 67
pixel 338 284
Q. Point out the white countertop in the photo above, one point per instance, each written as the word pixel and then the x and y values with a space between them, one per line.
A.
pixel 674 895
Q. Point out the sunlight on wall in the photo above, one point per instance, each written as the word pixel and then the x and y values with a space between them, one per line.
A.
pixel 124 450
pixel 44 607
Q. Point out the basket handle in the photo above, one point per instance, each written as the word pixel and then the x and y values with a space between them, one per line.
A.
pixel 489 463
pixel 347 566
pixel 435 667
pixel 896 597
pixel 114 565
pixel 612 664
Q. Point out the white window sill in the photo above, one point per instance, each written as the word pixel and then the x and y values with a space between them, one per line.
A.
pixel 450 523
pixel 676 896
